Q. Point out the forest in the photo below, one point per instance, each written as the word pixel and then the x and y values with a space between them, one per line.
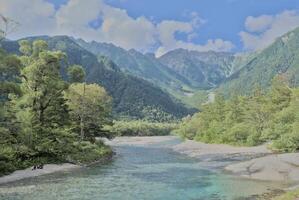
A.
pixel 45 119
pixel 266 116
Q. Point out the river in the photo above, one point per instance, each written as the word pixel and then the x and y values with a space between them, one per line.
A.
pixel 151 172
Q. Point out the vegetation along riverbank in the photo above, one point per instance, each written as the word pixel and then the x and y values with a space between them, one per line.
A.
pixel 45 119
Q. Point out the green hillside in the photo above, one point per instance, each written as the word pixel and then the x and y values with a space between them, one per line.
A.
pixel 144 66
pixel 132 96
pixel 185 74
pixel 282 57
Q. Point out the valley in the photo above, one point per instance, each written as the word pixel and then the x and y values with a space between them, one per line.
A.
pixel 108 99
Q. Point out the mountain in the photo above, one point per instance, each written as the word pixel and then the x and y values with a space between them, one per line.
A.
pixel 132 96
pixel 132 78
pixel 204 70
pixel 144 66
pixel 282 57
pixel 182 73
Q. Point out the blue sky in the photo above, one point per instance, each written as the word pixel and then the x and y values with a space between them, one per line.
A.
pixel 225 18
pixel 161 25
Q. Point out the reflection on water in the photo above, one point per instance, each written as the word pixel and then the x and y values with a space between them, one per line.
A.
pixel 146 173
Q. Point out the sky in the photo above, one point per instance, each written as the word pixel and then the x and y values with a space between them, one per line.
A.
pixel 158 26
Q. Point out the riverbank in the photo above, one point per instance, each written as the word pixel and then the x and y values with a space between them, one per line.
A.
pixel 52 168
pixel 260 164
pixel 199 149
pixel 257 163
pixel 282 167
pixel 48 169
pixel 88 160
pixel 29 173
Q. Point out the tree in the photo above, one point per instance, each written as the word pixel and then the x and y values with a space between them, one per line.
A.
pixel 76 74
pixel 258 114
pixel 236 109
pixel 9 86
pixel 9 127
pixel 35 127
pixel 286 126
pixel 43 100
pixel 10 67
pixel 280 93
pixel 90 108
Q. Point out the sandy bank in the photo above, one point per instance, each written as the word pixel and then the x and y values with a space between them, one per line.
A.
pixel 199 149
pixel 282 167
pixel 29 173
pixel 256 163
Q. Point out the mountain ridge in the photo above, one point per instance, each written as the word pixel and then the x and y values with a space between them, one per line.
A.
pixel 185 73
pixel 203 73
pixel 137 64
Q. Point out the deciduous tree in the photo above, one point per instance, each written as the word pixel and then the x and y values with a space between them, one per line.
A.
pixel 90 109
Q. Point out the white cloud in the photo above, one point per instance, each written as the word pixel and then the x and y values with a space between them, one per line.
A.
pixel 73 18
pixel 35 18
pixel 263 30
pixel 168 29
pixel 211 45
pixel 121 29
pixel 39 17
pixel 258 24
pixel 78 12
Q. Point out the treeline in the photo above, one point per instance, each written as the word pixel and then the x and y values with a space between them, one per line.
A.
pixel 45 119
pixel 141 128
pixel 271 117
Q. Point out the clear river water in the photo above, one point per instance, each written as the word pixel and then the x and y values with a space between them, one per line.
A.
pixel 153 172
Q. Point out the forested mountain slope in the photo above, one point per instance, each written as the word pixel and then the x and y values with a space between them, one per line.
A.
pixel 132 96
pixel 145 66
pixel 282 57
pixel 182 73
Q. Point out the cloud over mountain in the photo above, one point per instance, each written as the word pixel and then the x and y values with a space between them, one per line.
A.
pixel 96 20
pixel 261 31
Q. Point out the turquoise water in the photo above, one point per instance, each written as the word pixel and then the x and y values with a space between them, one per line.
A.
pixel 141 173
